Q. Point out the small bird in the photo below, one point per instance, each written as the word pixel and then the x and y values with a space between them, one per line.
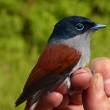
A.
pixel 67 50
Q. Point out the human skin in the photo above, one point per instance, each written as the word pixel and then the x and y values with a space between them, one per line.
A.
pixel 90 92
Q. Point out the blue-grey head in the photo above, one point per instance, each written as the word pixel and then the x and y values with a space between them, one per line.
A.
pixel 73 26
pixel 75 32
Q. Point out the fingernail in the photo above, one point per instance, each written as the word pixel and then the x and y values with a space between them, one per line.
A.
pixel 98 81
pixel 82 70
pixel 96 78
pixel 107 86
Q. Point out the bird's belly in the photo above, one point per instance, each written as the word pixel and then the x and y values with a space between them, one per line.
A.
pixel 82 63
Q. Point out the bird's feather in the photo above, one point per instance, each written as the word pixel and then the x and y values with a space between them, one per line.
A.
pixel 52 68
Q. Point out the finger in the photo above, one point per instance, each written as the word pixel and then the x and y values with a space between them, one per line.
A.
pixel 102 66
pixel 94 95
pixel 63 89
pixel 75 107
pixel 107 87
pixel 72 107
pixel 50 101
pixel 76 98
pixel 64 103
pixel 80 79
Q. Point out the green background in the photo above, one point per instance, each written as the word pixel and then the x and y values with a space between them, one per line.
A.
pixel 25 26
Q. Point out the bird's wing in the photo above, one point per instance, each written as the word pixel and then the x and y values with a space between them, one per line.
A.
pixel 55 60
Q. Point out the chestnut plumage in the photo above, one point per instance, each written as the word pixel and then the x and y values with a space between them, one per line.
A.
pixel 54 61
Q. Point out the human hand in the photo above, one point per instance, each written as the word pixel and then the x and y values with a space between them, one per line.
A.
pixel 60 100
pixel 95 97
pixel 98 94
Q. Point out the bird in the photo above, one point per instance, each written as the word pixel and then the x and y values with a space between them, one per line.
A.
pixel 67 49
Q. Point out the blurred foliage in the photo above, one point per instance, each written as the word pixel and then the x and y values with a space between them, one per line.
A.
pixel 25 26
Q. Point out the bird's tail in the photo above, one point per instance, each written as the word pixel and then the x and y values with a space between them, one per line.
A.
pixel 21 99
pixel 29 105
pixel 34 98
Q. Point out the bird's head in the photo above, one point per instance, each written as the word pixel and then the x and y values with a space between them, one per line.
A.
pixel 72 26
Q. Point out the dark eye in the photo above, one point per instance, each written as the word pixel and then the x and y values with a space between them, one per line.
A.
pixel 79 26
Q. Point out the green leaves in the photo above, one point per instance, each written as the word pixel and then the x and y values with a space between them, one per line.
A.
pixel 25 26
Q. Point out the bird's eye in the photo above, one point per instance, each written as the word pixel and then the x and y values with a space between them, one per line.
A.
pixel 79 26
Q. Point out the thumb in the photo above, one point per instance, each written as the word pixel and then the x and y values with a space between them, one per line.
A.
pixel 94 94
pixel 50 101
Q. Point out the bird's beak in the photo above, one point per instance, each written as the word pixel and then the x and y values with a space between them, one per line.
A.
pixel 98 26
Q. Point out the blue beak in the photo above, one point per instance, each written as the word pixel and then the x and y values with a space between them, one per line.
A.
pixel 98 26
